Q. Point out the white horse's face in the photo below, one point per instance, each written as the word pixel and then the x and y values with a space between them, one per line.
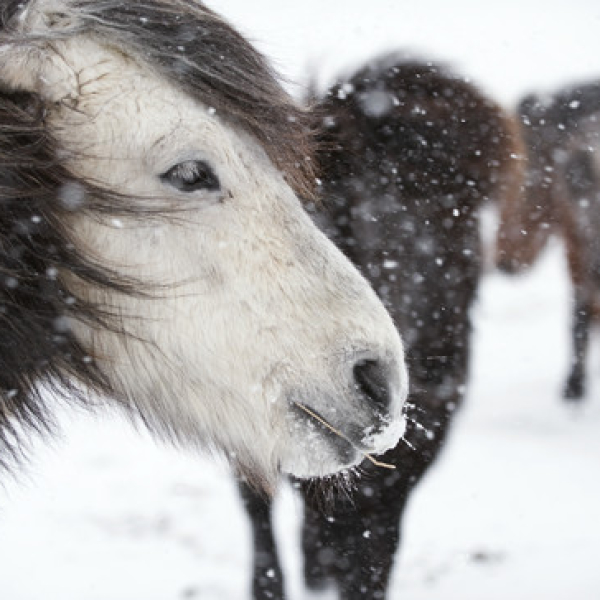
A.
pixel 255 318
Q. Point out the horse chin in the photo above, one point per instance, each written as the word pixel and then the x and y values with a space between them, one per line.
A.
pixel 321 458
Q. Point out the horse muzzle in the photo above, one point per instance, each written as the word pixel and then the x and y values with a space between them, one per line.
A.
pixel 332 432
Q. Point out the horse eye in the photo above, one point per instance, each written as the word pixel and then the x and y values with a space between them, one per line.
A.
pixel 191 176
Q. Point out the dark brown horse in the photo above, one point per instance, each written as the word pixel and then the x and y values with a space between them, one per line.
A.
pixel 409 154
pixel 561 195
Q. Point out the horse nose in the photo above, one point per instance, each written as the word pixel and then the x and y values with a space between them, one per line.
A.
pixel 372 381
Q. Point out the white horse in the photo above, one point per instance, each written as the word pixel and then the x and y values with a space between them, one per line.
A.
pixel 153 245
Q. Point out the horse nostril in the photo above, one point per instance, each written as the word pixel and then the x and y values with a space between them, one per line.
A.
pixel 371 380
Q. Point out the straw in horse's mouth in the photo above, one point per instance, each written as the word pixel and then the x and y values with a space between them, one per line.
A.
pixel 317 417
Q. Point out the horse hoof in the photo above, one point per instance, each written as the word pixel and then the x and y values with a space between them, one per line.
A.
pixel 574 390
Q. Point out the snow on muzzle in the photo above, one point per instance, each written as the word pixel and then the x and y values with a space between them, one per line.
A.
pixel 340 431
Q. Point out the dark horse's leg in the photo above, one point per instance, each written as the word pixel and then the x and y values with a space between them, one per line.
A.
pixel 354 546
pixel 581 183
pixel 575 386
pixel 317 548
pixel 267 579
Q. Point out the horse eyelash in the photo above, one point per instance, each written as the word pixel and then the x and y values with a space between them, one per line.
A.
pixel 182 176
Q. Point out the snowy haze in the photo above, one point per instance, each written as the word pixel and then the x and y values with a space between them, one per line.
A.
pixel 507 47
pixel 512 508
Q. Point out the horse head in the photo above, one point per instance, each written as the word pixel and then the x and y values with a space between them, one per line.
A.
pixel 168 260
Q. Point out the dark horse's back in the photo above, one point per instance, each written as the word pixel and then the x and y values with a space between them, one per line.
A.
pixel 408 155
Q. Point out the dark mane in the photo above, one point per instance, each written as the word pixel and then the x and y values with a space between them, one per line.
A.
pixel 187 43
pixel 36 346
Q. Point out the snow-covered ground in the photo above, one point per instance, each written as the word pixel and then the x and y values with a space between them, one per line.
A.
pixel 512 508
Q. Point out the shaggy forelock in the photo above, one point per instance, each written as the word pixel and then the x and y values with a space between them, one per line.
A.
pixel 194 47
